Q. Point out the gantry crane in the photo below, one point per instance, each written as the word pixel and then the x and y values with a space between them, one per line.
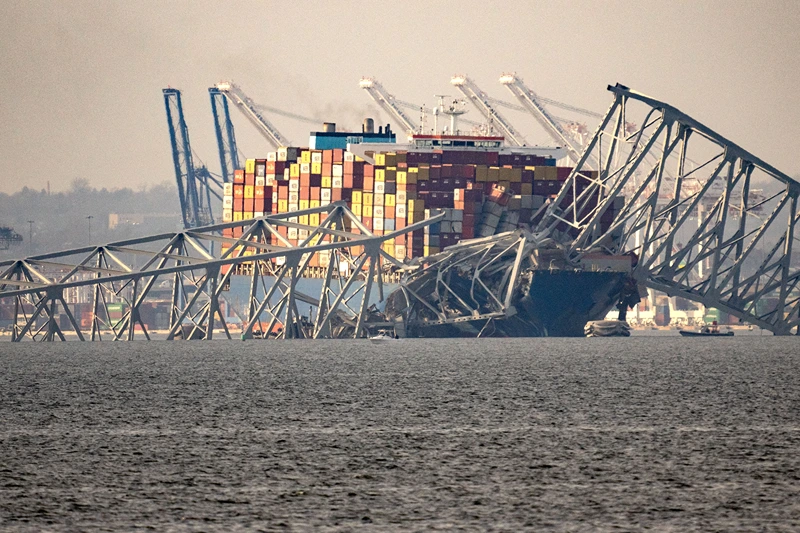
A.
pixel 388 103
pixel 482 102
pixel 533 105
pixel 196 185
pixel 251 110
pixel 226 139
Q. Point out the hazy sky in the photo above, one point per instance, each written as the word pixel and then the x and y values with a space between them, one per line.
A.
pixel 81 80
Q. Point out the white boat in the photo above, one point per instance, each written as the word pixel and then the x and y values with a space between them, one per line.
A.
pixel 381 337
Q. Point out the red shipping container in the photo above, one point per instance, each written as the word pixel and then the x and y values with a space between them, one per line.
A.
pixel 249 205
pixel 249 178
pixel 238 176
pixel 258 192
pixel 238 191
pixel 315 193
pixel 369 170
pixel 338 155
pixel 259 205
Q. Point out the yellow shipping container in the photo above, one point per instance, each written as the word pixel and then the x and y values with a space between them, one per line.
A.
pixel 481 173
pixel 313 219
pixel 249 191
pixel 505 174
pixel 380 174
pixel 377 199
pixel 305 156
pixel 424 174
pixel 367 198
pixel 326 181
pixel 250 166
pixel 294 170
pixel 380 159
pixel 283 206
pixel 430 250
pixel 516 175
pixel 527 189
pixel 313 203
pixel 303 204
pixel 494 174
pixel 237 216
pixel 389 200
pixel 356 209
pixel 316 168
pixel 416 206
pixel 303 219
pixel 401 177
pixel 366 211
pixel 247 215
pixel 356 197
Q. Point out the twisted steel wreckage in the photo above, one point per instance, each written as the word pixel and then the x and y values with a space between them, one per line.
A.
pixel 666 205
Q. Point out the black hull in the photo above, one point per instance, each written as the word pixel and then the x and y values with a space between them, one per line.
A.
pixel 557 304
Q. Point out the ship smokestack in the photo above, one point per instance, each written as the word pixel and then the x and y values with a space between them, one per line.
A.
pixel 329 127
pixel 369 126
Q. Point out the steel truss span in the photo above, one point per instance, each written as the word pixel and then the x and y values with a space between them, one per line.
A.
pixel 185 266
pixel 709 221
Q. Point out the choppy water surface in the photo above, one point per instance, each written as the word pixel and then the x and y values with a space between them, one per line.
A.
pixel 544 434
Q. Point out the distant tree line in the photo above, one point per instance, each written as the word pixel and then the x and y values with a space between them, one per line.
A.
pixel 60 221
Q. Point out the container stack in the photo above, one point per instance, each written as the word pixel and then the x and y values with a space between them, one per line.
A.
pixel 481 193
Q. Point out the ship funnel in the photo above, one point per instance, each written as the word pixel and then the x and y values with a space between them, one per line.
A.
pixel 329 127
pixel 369 126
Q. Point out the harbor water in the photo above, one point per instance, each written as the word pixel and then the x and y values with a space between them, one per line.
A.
pixel 598 434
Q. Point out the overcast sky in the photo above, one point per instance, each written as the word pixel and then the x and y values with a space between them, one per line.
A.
pixel 81 80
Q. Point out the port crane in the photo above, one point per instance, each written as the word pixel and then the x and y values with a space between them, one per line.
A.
pixel 252 112
pixel 388 103
pixel 483 104
pixel 196 185
pixel 533 105
pixel 226 139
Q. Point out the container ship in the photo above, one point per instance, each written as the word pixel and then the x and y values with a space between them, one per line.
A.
pixel 482 188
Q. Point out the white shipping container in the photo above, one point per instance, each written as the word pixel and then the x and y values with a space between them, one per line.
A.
pixel 338 170
pixel 294 197
pixel 316 157
pixel 325 195
pixel 227 215
pixel 260 180
pixel 380 187
pixel 400 211
pixel 377 211
pixel 336 183
pixel 305 168
pixel 227 189
pixel 401 197
pixel 294 185
pixel 227 202
pixel 272 156
pixel 377 223
pixel 292 233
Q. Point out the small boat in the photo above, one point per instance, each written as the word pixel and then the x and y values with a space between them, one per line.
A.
pixel 705 332
pixel 381 337
pixel 607 328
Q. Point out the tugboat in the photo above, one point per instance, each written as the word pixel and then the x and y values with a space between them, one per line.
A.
pixel 707 331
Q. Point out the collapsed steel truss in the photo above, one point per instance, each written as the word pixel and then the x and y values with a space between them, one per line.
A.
pixel 472 281
pixel 185 266
pixel 690 212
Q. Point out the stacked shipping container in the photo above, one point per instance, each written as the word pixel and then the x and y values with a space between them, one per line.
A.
pixel 480 192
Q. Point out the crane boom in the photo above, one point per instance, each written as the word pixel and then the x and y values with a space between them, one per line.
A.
pixel 226 140
pixel 531 103
pixel 388 103
pixel 182 160
pixel 250 110
pixel 482 103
